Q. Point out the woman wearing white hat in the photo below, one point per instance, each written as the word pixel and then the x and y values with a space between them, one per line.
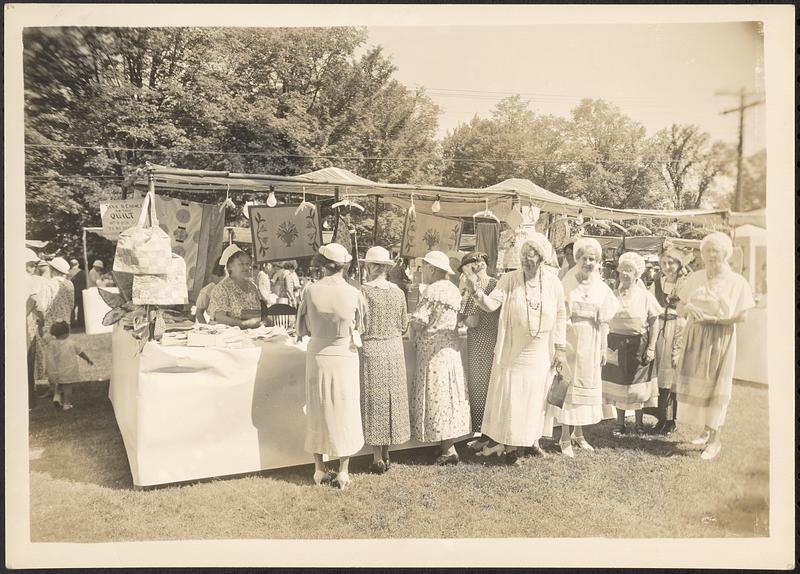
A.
pixel 440 403
pixel 332 312
pixel 532 314
pixel 57 300
pixel 235 299
pixel 384 391
pixel 33 319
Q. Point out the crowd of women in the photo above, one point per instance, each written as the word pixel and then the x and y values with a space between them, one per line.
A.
pixel 545 347
pixel 609 351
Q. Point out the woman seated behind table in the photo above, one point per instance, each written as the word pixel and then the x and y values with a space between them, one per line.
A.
pixel 629 377
pixel 332 314
pixel 532 314
pixel 235 300
pixel 440 402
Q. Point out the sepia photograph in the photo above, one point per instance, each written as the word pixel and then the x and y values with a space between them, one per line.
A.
pixel 399 286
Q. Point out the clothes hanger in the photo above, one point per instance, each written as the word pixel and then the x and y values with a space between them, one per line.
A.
pixel 486 213
pixel 228 201
pixel 412 211
pixel 304 204
pixel 347 202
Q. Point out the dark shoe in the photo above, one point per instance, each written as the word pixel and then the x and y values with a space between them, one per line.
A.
pixel 669 428
pixel 512 457
pixel 378 467
pixel 446 459
pixel 639 430
pixel 537 450
pixel 659 428
pixel 387 463
pixel 619 431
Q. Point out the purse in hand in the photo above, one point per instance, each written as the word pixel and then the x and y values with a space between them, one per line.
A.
pixel 558 390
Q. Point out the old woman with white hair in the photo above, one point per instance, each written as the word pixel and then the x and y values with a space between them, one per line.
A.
pixel 590 305
pixel 440 401
pixel 713 300
pixel 629 375
pixel 532 315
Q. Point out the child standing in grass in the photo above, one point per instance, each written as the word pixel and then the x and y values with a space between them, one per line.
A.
pixel 62 364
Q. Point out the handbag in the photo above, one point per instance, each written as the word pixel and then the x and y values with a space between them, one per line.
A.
pixel 163 289
pixel 558 391
pixel 144 250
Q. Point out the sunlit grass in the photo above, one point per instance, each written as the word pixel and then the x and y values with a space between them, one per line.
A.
pixel 81 487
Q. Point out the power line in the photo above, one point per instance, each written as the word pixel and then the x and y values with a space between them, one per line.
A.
pixel 615 159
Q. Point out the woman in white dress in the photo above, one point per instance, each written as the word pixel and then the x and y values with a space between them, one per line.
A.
pixel 590 305
pixel 332 314
pixel 532 316
pixel 714 300
pixel 629 378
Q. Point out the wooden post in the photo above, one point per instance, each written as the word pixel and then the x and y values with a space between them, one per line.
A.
pixel 86 263
pixel 375 224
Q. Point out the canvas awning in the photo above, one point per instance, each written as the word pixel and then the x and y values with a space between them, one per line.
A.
pixel 454 201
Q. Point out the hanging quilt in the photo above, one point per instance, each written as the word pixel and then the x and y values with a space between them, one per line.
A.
pixel 196 233
pixel 279 234
pixel 423 233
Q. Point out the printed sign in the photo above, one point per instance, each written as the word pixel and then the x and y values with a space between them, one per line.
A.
pixel 279 234
pixel 119 215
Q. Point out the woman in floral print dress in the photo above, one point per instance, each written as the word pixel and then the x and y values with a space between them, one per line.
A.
pixel 440 403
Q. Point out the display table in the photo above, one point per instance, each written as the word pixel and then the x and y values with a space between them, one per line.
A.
pixel 187 413
pixel 751 347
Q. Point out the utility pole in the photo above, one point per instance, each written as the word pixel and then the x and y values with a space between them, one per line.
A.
pixel 742 107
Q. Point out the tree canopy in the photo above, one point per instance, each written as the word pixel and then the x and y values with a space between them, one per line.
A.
pixel 101 102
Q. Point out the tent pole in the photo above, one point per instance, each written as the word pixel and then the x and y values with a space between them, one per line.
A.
pixel 86 258
pixel 375 224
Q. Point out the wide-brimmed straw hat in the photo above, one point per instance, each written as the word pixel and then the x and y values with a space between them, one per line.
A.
pixel 439 260
pixel 378 255
pixel 336 253
pixel 30 256
pixel 60 264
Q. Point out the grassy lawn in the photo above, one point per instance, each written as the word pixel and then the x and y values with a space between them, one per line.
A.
pixel 81 489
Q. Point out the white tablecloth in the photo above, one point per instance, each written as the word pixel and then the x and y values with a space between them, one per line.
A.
pixel 187 413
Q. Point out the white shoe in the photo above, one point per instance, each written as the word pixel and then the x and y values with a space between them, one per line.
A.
pixel 566 449
pixel 581 442
pixel 702 439
pixel 341 481
pixel 322 478
pixel 711 451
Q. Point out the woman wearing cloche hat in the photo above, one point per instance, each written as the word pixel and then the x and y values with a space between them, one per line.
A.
pixel 384 392
pixel 332 313
pixel 440 404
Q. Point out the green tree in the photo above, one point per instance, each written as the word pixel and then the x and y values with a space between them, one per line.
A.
pixel 614 164
pixel 271 99
pixel 692 164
